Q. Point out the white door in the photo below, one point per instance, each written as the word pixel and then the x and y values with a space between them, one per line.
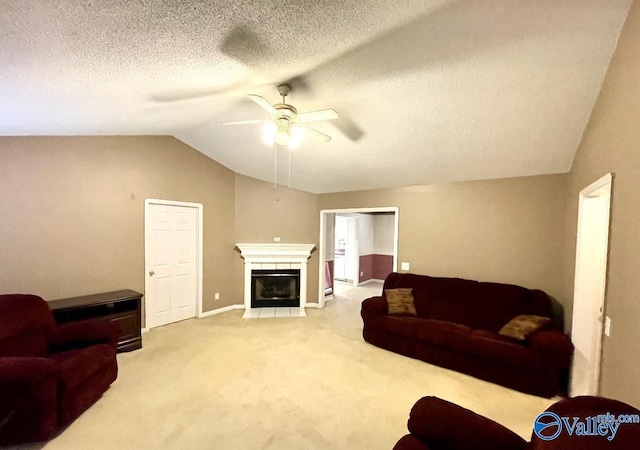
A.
pixel 589 289
pixel 171 262
pixel 340 248
pixel 352 258
pixel 346 249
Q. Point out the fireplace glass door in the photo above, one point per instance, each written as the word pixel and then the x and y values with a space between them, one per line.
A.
pixel 278 287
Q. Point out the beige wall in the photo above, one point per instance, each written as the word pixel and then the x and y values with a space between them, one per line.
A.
pixel 507 230
pixel 611 143
pixel 72 212
pixel 264 212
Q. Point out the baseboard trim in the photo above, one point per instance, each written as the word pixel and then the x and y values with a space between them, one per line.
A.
pixel 369 281
pixel 220 310
pixel 312 305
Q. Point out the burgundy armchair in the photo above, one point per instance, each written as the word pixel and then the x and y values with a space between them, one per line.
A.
pixel 436 424
pixel 49 374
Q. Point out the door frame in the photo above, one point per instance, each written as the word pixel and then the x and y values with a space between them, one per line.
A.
pixel 199 249
pixel 322 251
pixel 599 188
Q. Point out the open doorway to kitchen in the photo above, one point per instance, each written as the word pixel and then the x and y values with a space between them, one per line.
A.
pixel 357 246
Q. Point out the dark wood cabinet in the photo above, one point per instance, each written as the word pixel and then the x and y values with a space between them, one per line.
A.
pixel 122 307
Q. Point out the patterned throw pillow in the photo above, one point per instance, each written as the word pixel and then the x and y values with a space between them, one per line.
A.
pixel 401 301
pixel 521 327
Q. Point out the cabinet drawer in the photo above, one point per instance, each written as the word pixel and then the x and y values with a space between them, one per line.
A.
pixel 129 324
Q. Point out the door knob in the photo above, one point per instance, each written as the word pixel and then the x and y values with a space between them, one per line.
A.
pixel 151 273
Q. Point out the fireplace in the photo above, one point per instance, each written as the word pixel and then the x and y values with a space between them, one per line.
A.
pixel 275 287
pixel 288 262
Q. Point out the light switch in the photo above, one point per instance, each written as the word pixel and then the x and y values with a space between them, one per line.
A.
pixel 607 326
pixel 405 266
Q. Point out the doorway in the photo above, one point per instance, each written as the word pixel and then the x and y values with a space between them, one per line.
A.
pixel 367 254
pixel 590 286
pixel 345 253
pixel 173 261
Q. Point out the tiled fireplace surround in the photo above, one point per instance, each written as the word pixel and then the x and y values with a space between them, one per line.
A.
pixel 274 256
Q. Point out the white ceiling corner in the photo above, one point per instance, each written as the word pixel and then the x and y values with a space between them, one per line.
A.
pixel 427 91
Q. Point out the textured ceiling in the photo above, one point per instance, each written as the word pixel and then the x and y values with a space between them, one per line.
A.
pixel 427 91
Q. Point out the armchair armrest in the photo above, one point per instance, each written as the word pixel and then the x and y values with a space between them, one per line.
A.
pixel 28 399
pixel 24 369
pixel 374 306
pixel 553 347
pixel 83 334
pixel 441 424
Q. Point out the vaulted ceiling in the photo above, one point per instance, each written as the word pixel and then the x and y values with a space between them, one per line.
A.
pixel 427 91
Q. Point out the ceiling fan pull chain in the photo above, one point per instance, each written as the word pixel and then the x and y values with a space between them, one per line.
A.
pixel 275 165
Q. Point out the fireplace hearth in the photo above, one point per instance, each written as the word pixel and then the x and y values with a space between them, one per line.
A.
pixel 275 288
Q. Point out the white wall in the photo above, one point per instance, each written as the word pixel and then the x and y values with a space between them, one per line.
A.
pixel 365 234
pixel 383 231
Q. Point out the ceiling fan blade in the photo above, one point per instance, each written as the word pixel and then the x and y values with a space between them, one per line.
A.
pixel 242 122
pixel 263 103
pixel 312 116
pixel 315 134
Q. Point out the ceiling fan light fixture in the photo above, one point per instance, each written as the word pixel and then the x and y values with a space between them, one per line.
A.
pixel 269 132
pixel 282 139
pixel 297 134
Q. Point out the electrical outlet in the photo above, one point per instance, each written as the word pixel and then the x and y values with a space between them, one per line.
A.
pixel 216 296
pixel 607 325
pixel 361 273
pixel 405 266
pixel 276 239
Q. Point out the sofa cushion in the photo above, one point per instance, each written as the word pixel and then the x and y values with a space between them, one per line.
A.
pixel 452 300
pixel 498 304
pixel 400 301
pixel 419 285
pixel 23 314
pixel 492 346
pixel 76 366
pixel 405 326
pixel 522 326
pixel 444 334
pixel 33 343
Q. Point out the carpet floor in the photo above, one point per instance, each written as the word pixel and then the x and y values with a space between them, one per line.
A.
pixel 224 382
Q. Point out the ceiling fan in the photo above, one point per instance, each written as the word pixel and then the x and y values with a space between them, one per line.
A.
pixel 286 126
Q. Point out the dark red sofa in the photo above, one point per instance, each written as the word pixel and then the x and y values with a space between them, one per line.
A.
pixel 457 326
pixel 436 424
pixel 49 374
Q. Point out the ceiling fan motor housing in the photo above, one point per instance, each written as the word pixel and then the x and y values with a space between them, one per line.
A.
pixel 284 90
pixel 284 109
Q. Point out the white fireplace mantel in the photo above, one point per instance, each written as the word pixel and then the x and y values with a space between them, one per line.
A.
pixel 275 255
pixel 275 252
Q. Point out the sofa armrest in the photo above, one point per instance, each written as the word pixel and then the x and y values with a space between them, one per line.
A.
pixel 374 306
pixel 25 369
pixel 553 347
pixel 441 424
pixel 83 334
